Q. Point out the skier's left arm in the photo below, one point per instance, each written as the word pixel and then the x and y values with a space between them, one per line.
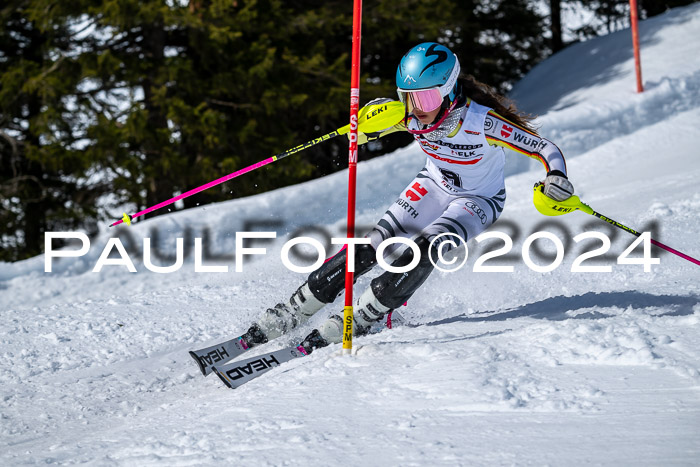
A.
pixel 500 131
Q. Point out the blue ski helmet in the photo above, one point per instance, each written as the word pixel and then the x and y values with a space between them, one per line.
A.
pixel 428 66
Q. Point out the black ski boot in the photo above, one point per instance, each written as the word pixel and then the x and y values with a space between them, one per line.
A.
pixel 254 336
pixel 313 341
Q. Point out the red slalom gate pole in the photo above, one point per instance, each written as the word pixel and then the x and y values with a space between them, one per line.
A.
pixel 352 172
pixel 635 44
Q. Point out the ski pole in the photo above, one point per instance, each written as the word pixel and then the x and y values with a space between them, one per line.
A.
pixel 371 119
pixel 550 207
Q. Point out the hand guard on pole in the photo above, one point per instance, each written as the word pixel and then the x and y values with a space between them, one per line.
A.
pixel 551 207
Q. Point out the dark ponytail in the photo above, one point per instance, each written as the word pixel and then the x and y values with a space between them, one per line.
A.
pixel 486 95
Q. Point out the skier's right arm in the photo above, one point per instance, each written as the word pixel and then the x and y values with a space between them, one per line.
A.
pixel 362 138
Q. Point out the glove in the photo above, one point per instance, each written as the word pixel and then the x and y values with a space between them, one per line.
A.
pixel 557 186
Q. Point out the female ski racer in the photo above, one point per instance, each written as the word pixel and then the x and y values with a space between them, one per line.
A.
pixel 462 126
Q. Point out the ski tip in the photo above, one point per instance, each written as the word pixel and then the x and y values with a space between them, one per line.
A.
pixel 199 363
pixel 222 378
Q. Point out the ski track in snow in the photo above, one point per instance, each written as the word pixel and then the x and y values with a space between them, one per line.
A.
pixel 517 368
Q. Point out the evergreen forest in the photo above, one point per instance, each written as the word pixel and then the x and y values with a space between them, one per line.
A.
pixel 117 105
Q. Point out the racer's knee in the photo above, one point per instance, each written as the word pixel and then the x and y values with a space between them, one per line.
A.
pixel 393 289
pixel 328 281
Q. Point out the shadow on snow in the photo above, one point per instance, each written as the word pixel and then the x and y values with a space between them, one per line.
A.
pixel 557 308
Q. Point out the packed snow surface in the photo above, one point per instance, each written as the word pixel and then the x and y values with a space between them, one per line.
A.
pixel 499 368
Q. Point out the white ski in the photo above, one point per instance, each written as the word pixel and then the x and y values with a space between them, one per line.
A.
pixel 238 373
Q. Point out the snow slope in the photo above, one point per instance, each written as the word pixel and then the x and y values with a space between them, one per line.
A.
pixel 517 368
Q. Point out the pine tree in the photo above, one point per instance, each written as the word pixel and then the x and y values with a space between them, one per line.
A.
pixel 140 100
pixel 43 171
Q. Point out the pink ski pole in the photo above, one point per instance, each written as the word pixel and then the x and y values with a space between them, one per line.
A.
pixel 372 118
pixel 128 218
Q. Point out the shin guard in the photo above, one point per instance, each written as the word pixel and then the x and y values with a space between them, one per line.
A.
pixel 393 289
pixel 328 281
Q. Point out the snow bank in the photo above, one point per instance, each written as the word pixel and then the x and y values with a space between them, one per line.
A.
pixel 496 368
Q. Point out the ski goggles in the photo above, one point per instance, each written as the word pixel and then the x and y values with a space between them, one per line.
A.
pixel 425 100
